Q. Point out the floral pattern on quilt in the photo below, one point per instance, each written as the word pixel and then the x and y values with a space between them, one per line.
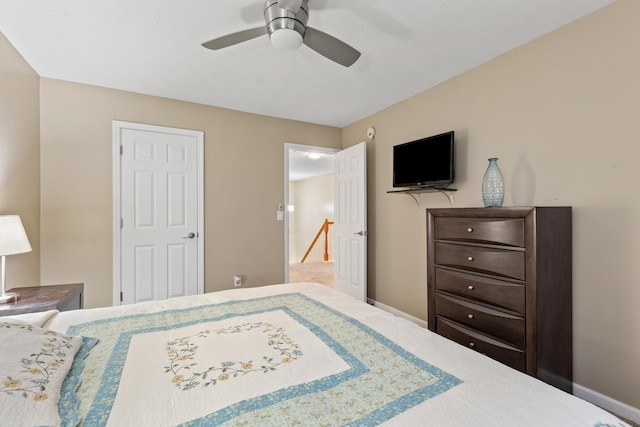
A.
pixel 380 381
pixel 33 372
pixel 38 367
pixel 184 369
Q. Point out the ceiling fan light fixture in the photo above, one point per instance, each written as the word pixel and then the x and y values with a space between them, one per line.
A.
pixel 286 39
pixel 286 25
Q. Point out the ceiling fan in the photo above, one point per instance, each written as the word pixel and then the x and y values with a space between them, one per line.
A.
pixel 286 25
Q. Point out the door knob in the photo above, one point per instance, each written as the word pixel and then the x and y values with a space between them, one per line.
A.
pixel 190 236
pixel 361 233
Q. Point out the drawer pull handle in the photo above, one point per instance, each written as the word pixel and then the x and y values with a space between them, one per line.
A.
pixel 470 230
pixel 469 258
pixel 470 287
pixel 470 316
pixel 472 344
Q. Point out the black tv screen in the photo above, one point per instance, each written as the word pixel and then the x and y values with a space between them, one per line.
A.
pixel 426 162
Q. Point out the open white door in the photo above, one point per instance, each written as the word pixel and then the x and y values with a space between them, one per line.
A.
pixel 350 229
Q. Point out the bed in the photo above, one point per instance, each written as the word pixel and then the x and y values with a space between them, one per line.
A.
pixel 294 354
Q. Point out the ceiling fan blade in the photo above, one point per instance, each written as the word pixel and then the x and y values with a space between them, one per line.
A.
pixel 235 38
pixel 292 6
pixel 330 47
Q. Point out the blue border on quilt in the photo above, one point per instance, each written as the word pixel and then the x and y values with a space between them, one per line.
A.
pixel 99 412
pixel 356 368
pixel 101 407
pixel 445 380
pixel 68 403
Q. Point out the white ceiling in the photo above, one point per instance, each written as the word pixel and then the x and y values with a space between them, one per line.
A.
pixel 153 47
pixel 301 166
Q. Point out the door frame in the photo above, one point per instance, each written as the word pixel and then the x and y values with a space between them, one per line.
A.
pixel 117 127
pixel 298 147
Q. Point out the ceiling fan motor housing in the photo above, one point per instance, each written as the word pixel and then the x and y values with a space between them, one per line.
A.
pixel 278 18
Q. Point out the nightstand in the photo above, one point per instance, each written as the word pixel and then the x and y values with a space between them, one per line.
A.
pixel 43 298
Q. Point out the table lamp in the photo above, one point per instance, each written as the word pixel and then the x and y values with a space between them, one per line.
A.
pixel 13 240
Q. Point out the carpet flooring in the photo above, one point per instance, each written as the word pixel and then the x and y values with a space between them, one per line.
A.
pixel 319 272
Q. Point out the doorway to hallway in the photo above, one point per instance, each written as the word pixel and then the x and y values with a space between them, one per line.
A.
pixel 309 199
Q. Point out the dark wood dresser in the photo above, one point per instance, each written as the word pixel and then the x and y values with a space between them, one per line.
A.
pixel 499 281
pixel 42 298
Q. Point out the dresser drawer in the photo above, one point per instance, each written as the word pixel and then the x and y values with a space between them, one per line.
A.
pixel 499 231
pixel 497 292
pixel 506 263
pixel 510 356
pixel 501 325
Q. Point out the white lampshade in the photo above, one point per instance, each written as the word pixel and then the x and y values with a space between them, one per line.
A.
pixel 13 238
pixel 286 39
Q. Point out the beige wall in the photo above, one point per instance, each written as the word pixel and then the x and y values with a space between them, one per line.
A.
pixel 20 158
pixel 244 183
pixel 313 201
pixel 562 115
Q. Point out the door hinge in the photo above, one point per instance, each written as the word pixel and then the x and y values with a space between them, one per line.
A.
pixel 121 223
pixel 121 150
pixel 121 296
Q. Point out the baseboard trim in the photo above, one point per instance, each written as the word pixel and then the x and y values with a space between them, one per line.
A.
pixel 396 312
pixel 608 403
pixel 598 399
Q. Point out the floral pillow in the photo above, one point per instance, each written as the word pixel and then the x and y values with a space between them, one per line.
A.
pixel 33 366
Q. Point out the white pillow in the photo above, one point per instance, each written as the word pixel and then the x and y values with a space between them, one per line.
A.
pixel 38 318
pixel 33 366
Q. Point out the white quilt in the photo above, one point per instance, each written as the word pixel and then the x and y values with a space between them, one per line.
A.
pixel 297 354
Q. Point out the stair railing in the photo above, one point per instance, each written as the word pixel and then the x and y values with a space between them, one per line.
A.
pixel 323 229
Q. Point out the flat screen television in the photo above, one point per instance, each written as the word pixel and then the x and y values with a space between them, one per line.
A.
pixel 426 162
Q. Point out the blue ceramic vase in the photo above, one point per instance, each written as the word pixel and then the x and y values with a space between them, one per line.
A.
pixel 493 185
